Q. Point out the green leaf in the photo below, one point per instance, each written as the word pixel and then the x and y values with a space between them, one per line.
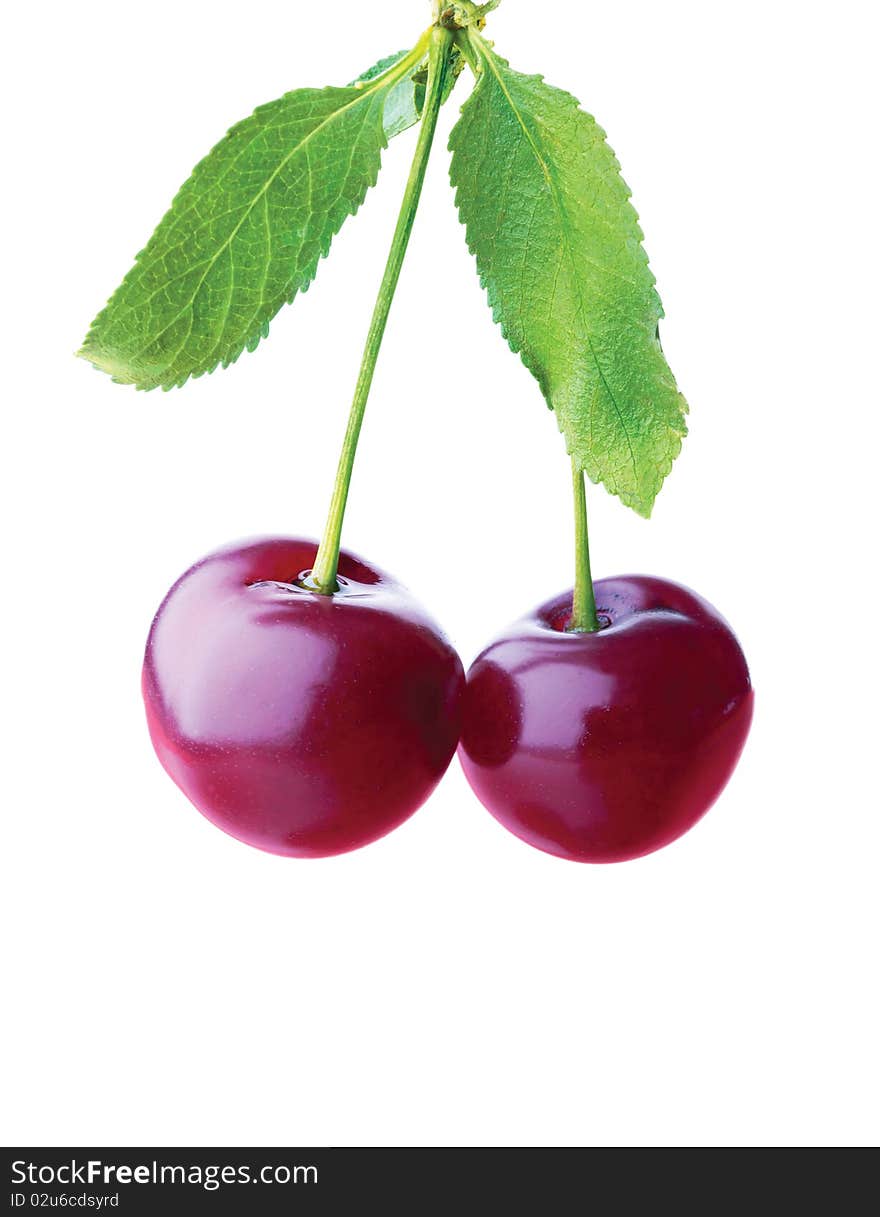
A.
pixel 558 248
pixel 403 107
pixel 401 111
pixel 245 233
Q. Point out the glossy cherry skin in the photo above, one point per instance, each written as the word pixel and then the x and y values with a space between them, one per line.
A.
pixel 600 747
pixel 302 724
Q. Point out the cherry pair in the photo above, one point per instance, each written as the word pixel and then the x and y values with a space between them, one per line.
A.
pixel 309 724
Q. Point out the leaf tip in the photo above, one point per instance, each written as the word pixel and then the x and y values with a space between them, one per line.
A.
pixel 104 361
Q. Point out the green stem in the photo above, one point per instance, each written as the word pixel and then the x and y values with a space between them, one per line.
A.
pixel 583 609
pixel 323 577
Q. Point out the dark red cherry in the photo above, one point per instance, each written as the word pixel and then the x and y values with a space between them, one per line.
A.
pixel 599 747
pixel 300 723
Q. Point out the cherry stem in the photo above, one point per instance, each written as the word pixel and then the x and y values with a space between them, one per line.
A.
pixel 583 609
pixel 323 577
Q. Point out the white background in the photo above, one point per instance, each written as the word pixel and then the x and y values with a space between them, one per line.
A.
pixel 448 985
